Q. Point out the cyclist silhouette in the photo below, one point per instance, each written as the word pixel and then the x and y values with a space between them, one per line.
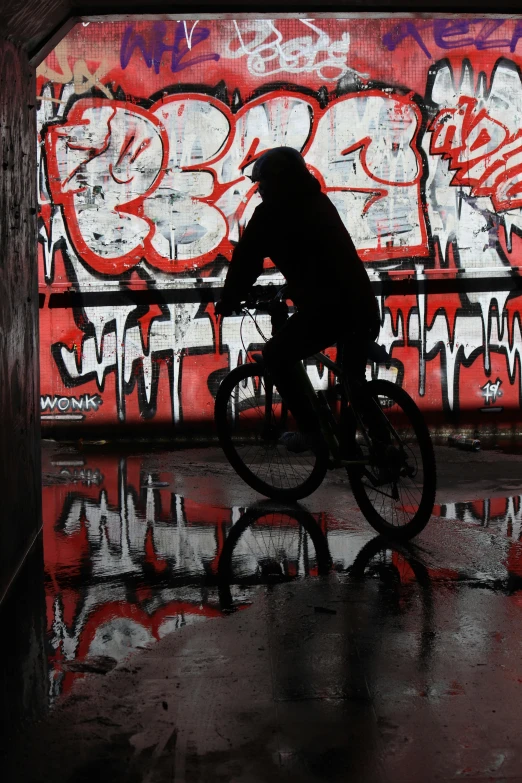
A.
pixel 300 230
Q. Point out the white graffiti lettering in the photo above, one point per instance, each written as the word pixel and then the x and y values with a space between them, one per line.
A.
pixel 267 53
pixel 373 178
pixel 86 402
pixel 490 391
pixel 170 186
pixel 82 476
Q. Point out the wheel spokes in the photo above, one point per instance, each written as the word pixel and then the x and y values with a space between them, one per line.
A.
pixel 393 481
pixel 258 418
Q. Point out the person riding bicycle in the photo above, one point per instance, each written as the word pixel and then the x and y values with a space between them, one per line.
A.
pixel 300 230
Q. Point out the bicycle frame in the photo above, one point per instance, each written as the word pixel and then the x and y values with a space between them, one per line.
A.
pixel 329 426
pixel 345 385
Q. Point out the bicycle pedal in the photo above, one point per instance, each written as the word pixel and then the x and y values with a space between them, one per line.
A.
pixel 333 464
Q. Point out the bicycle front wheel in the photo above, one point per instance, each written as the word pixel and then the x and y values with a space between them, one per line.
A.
pixel 250 419
pixel 395 490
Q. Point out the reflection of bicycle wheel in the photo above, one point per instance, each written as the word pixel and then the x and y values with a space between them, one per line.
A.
pixel 396 489
pixel 250 419
pixel 271 543
pixel 391 562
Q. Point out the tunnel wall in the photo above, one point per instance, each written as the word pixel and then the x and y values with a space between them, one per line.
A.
pixel 20 510
pixel 147 131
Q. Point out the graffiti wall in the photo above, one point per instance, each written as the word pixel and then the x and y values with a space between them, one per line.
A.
pixel 148 132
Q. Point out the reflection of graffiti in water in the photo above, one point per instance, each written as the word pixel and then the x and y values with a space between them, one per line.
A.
pixel 502 515
pixel 128 560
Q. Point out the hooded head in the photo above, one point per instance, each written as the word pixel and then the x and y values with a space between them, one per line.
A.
pixel 281 172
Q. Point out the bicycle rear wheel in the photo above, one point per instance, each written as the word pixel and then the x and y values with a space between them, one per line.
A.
pixel 250 419
pixel 396 489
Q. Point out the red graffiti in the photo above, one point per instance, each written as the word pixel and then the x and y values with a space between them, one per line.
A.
pixel 103 163
pixel 483 153
pixel 170 184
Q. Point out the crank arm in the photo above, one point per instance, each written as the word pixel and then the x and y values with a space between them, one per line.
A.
pixel 346 463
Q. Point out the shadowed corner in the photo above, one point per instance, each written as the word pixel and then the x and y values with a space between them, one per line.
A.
pixel 23 654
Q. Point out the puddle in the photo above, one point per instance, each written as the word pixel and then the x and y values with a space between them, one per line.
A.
pixel 502 515
pixel 127 560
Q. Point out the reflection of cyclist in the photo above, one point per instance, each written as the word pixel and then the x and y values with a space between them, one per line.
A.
pixel 300 230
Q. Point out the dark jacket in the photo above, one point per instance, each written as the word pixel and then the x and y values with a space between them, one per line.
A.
pixel 301 232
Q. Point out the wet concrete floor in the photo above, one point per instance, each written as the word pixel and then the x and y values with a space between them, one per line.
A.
pixel 193 633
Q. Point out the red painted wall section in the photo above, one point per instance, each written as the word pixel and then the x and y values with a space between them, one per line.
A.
pixel 147 134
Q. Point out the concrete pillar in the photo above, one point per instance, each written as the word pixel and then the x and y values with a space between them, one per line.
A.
pixel 20 494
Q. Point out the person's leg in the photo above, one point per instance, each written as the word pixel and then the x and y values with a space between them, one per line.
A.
pixel 354 360
pixel 304 334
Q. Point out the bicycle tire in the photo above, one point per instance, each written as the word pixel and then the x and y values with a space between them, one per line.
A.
pixel 304 479
pixel 362 488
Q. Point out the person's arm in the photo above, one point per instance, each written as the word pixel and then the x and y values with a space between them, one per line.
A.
pixel 247 261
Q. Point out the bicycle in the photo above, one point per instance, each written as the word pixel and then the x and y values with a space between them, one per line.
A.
pixel 391 468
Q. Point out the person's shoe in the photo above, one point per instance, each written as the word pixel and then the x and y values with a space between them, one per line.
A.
pixel 298 442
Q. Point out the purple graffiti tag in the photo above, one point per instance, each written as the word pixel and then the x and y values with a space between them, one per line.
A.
pixel 454 34
pixel 402 31
pixel 154 50
pixel 483 40
pixel 517 34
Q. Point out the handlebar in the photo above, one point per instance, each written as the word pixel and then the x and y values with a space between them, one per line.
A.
pixel 262 298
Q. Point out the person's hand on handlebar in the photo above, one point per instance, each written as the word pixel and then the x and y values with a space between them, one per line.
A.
pixel 258 296
pixel 227 307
